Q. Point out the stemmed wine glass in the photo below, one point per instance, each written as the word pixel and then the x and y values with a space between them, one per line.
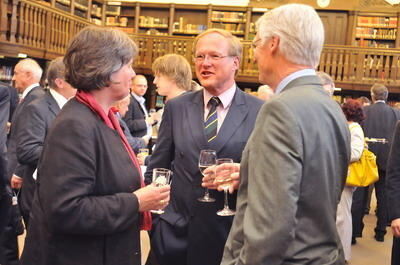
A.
pixel 207 159
pixel 161 177
pixel 223 179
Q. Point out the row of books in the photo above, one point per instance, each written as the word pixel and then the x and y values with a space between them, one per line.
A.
pixel 228 16
pixel 183 26
pixel 6 72
pixel 374 44
pixel 234 28
pixel 117 21
pixel 389 34
pixel 147 21
pixel 377 22
pixel 96 10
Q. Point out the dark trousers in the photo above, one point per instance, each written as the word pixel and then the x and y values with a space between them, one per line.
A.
pixel 9 246
pixel 396 251
pixel 360 197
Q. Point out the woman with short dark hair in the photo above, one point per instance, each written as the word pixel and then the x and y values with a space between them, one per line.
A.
pixel 353 111
pixel 91 202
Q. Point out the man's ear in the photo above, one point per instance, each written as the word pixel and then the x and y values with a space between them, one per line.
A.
pixel 59 82
pixel 274 44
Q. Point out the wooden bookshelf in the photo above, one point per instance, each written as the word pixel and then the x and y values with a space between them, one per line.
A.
pixel 376 30
pixel 189 20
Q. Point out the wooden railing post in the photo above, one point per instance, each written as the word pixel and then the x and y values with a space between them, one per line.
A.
pixel 13 21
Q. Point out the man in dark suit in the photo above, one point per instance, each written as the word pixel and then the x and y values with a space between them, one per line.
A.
pixel 26 78
pixel 380 121
pixel 137 118
pixel 295 163
pixel 5 195
pixel 190 232
pixel 393 193
pixel 37 118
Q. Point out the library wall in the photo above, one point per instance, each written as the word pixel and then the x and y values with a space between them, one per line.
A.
pixel 197 2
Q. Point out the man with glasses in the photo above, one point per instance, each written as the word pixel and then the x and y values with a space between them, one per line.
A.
pixel 219 117
pixel 294 166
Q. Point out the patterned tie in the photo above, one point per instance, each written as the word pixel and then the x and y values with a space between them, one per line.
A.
pixel 211 123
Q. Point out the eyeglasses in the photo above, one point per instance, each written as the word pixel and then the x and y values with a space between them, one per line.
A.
pixel 213 57
pixel 255 42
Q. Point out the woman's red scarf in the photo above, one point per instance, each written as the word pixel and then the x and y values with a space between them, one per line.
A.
pixel 111 121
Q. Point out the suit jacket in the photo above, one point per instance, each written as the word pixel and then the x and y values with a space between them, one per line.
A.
pixel 5 197
pixel 135 118
pixel 292 174
pixel 38 115
pixel 135 142
pixel 393 176
pixel 187 221
pixel 84 211
pixel 12 166
pixel 380 121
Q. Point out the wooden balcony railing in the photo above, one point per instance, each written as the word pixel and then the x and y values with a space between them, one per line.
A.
pixel 44 32
pixel 40 31
pixel 348 65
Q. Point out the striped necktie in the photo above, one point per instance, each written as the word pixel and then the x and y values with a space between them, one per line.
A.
pixel 211 123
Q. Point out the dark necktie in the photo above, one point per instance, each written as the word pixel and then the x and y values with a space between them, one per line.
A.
pixel 211 123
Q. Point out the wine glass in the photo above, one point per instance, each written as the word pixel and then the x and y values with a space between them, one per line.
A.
pixel 207 159
pixel 223 179
pixel 161 177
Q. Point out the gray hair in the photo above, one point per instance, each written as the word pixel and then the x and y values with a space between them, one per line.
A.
pixel 300 31
pixel 379 92
pixel 94 54
pixel 55 70
pixel 30 65
pixel 327 82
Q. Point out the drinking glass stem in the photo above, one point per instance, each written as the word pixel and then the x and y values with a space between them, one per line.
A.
pixel 226 205
pixel 207 194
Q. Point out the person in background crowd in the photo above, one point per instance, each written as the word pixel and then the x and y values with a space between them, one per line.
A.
pixel 327 82
pixel 286 207
pixel 26 78
pixel 90 202
pixel 121 107
pixel 264 92
pixel 353 111
pixel 172 77
pixel 397 105
pixel 38 116
pixel 380 121
pixel 190 232
pixel 393 193
pixel 5 193
pixel 137 118
pixel 365 101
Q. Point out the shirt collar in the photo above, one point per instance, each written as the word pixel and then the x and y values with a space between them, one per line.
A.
pixel 377 101
pixel 292 77
pixel 140 99
pixel 28 89
pixel 226 97
pixel 60 99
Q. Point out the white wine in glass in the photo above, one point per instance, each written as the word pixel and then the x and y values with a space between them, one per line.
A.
pixel 207 159
pixel 223 180
pixel 161 177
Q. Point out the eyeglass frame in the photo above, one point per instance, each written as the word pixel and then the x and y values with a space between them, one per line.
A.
pixel 213 57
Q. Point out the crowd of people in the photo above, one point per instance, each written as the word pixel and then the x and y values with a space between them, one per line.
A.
pixel 71 159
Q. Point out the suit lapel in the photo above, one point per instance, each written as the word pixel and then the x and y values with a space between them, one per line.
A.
pixel 53 106
pixel 195 119
pixel 234 118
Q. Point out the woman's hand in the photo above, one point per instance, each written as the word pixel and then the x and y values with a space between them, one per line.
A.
pixel 233 168
pixel 396 227
pixel 152 197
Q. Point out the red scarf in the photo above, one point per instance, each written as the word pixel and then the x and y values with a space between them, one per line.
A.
pixel 111 121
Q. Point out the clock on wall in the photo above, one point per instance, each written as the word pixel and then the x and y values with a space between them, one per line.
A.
pixel 323 3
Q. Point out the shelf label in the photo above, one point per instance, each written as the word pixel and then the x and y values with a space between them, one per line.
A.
pixel 22 55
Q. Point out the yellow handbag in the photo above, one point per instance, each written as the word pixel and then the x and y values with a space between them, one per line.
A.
pixel 363 172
